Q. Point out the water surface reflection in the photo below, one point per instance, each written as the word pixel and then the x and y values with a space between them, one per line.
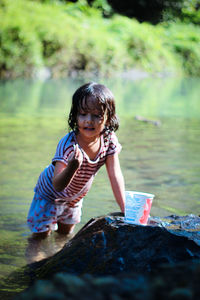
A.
pixel 163 160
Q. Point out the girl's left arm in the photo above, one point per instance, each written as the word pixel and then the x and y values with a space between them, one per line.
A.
pixel 116 179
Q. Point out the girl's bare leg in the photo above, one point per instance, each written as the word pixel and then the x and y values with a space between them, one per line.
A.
pixel 65 228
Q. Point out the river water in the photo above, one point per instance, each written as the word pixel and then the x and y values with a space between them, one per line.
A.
pixel 162 158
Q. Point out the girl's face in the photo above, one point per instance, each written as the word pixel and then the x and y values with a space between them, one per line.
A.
pixel 90 119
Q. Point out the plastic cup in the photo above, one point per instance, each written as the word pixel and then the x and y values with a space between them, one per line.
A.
pixel 137 207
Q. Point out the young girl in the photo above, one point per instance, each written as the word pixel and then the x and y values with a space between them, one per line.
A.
pixel 92 143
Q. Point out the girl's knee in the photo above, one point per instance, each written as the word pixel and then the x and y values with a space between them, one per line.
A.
pixel 41 235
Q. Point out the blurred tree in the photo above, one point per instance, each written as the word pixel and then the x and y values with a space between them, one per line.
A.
pixel 191 12
pixel 152 11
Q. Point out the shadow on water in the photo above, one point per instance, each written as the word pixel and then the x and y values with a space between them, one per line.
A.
pixel 163 160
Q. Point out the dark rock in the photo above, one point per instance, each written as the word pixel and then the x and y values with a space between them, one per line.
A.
pixel 110 259
pixel 108 246
pixel 154 122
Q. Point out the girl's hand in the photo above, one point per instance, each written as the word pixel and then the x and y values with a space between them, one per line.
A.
pixel 76 157
pixel 63 174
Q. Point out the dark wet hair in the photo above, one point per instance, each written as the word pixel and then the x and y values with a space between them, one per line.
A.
pixel 104 97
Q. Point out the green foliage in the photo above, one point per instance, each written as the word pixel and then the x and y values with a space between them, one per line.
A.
pixel 62 37
pixel 75 37
pixel 103 6
pixel 144 44
pixel 37 39
pixel 184 41
pixel 187 11
pixel 19 50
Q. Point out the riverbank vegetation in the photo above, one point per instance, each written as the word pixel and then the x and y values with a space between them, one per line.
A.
pixel 68 38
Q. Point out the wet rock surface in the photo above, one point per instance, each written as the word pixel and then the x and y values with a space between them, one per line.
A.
pixel 107 245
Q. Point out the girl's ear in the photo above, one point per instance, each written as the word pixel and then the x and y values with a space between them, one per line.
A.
pixel 107 125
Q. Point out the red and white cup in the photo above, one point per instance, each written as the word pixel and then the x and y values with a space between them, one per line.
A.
pixel 137 207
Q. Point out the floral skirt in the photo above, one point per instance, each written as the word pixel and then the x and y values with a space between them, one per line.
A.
pixel 44 215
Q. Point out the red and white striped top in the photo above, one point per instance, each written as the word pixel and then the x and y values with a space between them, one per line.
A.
pixel 82 181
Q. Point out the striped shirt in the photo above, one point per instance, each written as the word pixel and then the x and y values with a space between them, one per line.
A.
pixel 83 178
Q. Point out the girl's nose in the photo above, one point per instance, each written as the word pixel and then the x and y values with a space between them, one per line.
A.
pixel 89 118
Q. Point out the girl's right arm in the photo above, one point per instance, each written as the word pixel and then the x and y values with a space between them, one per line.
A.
pixel 116 179
pixel 63 174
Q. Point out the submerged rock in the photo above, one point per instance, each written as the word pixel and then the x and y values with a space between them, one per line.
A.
pixel 107 246
pixel 170 283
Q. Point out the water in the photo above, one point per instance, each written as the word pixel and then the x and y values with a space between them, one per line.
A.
pixel 163 160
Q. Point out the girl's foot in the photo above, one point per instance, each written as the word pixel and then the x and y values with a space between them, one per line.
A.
pixel 33 250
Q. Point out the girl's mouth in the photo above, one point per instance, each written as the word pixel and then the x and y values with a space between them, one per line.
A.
pixel 89 128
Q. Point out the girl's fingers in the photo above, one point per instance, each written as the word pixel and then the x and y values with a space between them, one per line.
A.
pixel 76 151
pixel 78 154
pixel 73 154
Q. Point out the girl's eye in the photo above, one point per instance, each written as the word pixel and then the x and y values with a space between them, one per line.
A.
pixel 98 116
